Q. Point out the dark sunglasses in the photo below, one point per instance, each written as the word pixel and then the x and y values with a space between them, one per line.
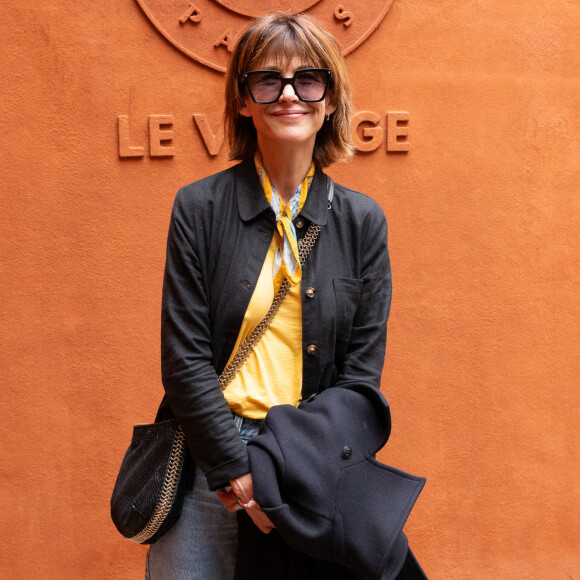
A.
pixel 309 84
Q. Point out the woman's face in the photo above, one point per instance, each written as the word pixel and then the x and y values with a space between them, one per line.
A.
pixel 288 120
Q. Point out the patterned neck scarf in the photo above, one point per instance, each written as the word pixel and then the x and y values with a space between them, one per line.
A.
pixel 286 261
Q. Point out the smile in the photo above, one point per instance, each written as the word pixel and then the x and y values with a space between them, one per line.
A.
pixel 289 114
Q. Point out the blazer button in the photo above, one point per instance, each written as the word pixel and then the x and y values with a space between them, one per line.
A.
pixel 346 452
pixel 299 223
pixel 310 292
pixel 312 350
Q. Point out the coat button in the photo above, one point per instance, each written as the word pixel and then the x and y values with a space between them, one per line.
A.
pixel 299 223
pixel 346 452
pixel 310 292
pixel 312 350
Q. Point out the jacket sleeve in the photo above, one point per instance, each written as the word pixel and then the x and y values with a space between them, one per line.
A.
pixel 189 377
pixel 365 351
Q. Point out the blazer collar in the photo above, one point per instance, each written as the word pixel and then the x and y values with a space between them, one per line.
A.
pixel 252 201
pixel 316 207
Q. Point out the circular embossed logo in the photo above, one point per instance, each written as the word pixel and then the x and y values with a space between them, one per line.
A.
pixel 206 30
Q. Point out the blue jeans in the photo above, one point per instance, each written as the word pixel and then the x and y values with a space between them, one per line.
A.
pixel 202 544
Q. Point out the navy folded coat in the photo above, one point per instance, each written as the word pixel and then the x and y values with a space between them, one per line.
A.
pixel 316 477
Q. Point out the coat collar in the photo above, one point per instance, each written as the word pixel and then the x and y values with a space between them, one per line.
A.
pixel 252 201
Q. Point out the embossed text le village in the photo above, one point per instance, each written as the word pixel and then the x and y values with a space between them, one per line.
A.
pixel 370 132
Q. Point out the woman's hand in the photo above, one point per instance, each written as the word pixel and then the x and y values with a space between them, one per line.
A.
pixel 242 489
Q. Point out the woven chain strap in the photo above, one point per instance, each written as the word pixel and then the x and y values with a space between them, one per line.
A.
pixel 246 348
pixel 168 489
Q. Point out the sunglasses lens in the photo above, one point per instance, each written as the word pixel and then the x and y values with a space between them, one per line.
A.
pixel 310 85
pixel 265 86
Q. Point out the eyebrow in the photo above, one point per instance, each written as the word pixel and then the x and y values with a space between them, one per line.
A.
pixel 279 70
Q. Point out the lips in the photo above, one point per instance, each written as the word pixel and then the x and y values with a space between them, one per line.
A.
pixel 289 114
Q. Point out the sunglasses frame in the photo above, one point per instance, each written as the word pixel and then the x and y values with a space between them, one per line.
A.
pixel 287 81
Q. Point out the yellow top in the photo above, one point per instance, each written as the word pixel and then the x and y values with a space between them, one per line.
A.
pixel 272 375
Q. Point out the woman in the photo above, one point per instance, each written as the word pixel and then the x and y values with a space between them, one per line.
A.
pixel 232 241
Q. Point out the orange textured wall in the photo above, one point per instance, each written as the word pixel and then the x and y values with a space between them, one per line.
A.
pixel 482 362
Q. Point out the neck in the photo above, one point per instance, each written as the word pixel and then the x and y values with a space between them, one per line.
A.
pixel 286 167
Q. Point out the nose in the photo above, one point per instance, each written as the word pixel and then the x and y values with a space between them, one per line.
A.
pixel 288 93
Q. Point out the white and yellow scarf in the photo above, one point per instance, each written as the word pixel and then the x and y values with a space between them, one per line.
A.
pixel 286 261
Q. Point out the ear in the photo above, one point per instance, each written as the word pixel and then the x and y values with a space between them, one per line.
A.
pixel 245 111
pixel 329 108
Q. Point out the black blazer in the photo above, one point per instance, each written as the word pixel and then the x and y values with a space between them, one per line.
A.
pixel 220 231
pixel 316 477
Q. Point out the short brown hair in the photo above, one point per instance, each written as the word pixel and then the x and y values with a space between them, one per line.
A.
pixel 286 35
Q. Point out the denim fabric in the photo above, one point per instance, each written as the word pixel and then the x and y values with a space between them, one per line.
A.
pixel 247 428
pixel 202 544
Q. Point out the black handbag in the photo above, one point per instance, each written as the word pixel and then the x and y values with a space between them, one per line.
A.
pixel 150 487
pixel 148 494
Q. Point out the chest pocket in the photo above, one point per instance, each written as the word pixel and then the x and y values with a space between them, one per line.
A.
pixel 347 293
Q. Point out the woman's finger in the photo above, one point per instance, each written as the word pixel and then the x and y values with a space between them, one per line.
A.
pixel 229 500
pixel 260 518
pixel 243 487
